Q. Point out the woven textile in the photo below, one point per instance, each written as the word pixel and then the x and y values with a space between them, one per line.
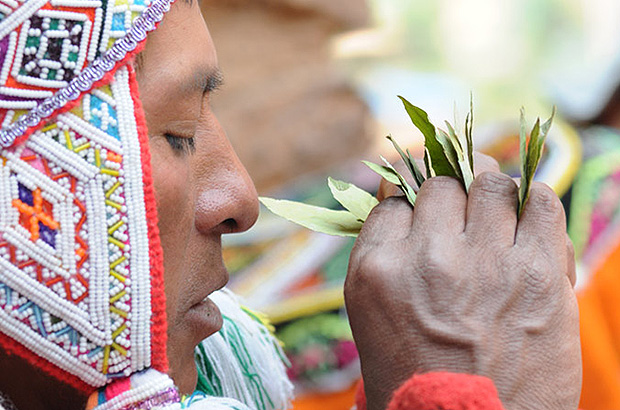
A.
pixel 81 291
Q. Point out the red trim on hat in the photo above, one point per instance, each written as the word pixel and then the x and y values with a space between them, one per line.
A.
pixel 159 360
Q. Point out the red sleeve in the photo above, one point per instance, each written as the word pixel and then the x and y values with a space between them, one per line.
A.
pixel 442 390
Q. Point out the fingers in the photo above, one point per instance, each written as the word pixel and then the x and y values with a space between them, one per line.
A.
pixel 440 206
pixel 484 163
pixel 543 222
pixel 387 190
pixel 388 221
pixel 492 209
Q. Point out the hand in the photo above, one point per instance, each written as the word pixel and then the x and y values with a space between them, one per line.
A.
pixel 460 285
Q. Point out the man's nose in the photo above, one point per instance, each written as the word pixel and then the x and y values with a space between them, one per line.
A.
pixel 227 200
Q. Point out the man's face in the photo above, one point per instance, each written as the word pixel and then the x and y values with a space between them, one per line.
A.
pixel 202 189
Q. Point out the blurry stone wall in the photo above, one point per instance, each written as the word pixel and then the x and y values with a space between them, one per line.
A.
pixel 285 107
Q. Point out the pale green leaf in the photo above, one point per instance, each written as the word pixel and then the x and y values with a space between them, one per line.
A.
pixel 384 172
pixel 328 221
pixel 354 199
pixel 417 173
pixel 394 177
pixel 454 135
pixel 404 185
pixel 461 160
pixel 430 172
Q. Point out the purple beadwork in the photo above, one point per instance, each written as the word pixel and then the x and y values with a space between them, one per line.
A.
pixel 166 397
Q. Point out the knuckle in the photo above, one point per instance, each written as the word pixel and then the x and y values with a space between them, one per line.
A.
pixel 437 266
pixel 543 197
pixel 389 204
pixel 441 184
pixel 495 183
pixel 541 278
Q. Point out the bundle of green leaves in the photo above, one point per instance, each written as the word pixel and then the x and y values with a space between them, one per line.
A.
pixel 446 153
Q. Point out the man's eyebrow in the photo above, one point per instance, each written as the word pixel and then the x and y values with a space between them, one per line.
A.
pixel 209 80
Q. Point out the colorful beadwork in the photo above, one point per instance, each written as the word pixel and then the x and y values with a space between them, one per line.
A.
pixel 54 73
pixel 79 251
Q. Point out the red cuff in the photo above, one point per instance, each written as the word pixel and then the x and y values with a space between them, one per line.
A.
pixel 442 390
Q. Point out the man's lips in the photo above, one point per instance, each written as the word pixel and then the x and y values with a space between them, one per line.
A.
pixel 204 319
pixel 222 276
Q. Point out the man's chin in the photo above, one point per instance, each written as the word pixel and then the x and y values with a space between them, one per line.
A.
pixel 199 322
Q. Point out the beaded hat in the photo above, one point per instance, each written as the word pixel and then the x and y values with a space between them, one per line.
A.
pixel 81 270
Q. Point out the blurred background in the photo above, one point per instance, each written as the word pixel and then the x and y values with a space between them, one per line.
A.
pixel 311 89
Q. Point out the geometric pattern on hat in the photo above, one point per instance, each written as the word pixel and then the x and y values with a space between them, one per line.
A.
pixel 81 266
pixel 44 45
pixel 74 249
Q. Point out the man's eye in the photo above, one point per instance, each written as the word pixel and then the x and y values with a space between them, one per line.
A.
pixel 181 145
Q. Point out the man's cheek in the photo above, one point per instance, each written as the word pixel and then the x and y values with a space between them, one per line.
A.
pixel 172 182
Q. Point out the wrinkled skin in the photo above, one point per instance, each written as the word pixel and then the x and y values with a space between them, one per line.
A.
pixel 458 284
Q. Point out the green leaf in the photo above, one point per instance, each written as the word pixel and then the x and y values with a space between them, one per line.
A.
pixel 544 129
pixel 409 162
pixel 450 151
pixel 328 221
pixel 417 173
pixel 392 176
pixel 437 157
pixel 406 158
pixel 531 155
pixel 468 176
pixel 469 138
pixel 404 185
pixel 427 163
pixel 354 199
pixel 462 165
pixel 453 135
pixel 388 174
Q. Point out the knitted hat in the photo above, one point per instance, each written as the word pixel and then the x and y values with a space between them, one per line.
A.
pixel 81 270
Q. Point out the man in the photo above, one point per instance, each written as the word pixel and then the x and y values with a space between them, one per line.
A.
pixel 457 285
